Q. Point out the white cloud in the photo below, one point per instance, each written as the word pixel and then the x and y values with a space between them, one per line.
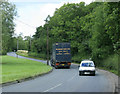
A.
pixel 34 14
pixel 47 9
pixel 49 1
pixel 33 17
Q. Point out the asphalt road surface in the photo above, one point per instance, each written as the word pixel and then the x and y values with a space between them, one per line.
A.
pixel 62 80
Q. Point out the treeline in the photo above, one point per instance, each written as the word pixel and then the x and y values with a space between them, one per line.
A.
pixel 7 14
pixel 92 30
pixel 8 39
pixel 21 43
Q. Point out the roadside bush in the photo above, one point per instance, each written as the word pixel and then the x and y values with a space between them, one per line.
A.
pixel 79 57
pixel 3 52
pixel 111 62
pixel 40 55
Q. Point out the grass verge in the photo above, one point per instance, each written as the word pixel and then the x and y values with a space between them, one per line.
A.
pixel 25 54
pixel 112 71
pixel 16 68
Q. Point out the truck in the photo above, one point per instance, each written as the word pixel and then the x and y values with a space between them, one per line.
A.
pixel 61 55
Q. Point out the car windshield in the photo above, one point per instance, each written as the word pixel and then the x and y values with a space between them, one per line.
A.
pixel 87 64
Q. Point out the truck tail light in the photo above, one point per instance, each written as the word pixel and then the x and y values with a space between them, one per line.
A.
pixel 69 63
pixel 57 64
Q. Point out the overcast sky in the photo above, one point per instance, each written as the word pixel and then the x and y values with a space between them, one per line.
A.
pixel 32 13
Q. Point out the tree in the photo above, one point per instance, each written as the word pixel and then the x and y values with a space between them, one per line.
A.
pixel 8 13
pixel 100 42
pixel 112 24
pixel 89 29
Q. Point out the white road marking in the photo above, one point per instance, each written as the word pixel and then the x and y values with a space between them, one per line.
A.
pixel 52 87
pixel 72 77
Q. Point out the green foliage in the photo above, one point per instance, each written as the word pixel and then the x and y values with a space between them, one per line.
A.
pixel 15 68
pixel 39 55
pixel 100 42
pixel 22 43
pixel 8 13
pixel 112 24
pixel 111 62
pixel 91 29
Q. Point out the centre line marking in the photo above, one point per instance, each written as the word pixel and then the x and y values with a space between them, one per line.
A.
pixel 52 87
pixel 72 77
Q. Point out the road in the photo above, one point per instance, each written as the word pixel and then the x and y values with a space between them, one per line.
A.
pixel 63 80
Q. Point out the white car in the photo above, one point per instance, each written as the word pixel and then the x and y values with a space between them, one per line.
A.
pixel 87 67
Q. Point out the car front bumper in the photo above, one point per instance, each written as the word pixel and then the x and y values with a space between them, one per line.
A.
pixel 87 72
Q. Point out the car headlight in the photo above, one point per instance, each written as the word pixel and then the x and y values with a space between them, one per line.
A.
pixel 80 69
pixel 92 69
